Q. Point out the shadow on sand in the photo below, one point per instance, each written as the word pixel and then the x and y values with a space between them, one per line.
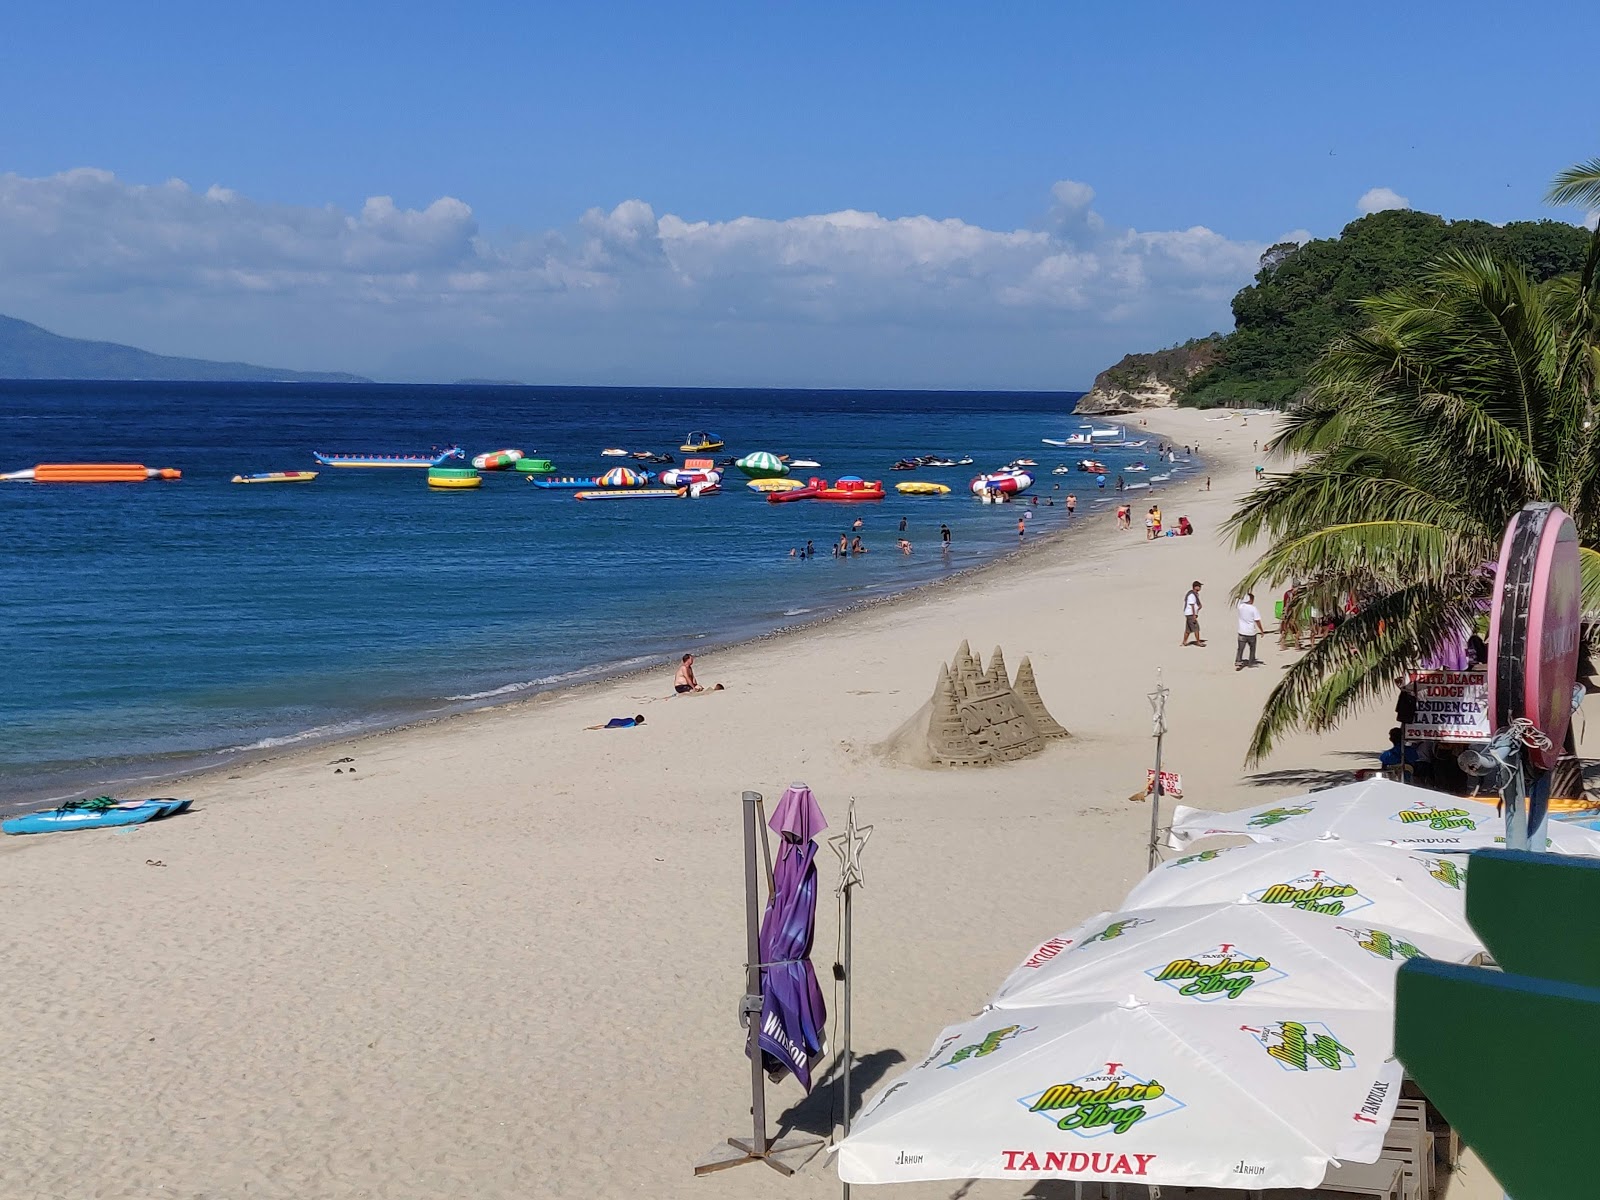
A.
pixel 1312 779
pixel 819 1112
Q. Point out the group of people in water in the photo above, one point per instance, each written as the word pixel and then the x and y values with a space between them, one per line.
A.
pixel 850 543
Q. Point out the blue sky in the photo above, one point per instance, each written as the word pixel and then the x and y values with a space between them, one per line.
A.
pixel 641 193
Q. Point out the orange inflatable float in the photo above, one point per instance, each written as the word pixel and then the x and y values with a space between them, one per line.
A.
pixel 93 473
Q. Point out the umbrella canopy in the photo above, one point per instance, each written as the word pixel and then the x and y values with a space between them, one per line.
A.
pixel 793 1015
pixel 622 477
pixel 1242 955
pixel 1337 880
pixel 761 465
pixel 1378 812
pixel 1237 1045
pixel 1138 1093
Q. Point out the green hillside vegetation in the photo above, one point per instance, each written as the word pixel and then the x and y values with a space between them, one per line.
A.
pixel 1305 296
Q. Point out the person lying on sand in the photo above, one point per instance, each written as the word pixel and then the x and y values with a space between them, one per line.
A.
pixel 620 723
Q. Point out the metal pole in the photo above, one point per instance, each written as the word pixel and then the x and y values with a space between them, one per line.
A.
pixel 848 979
pixel 766 847
pixel 1158 705
pixel 752 985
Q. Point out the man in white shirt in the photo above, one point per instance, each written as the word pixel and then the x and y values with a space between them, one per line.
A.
pixel 1191 615
pixel 1249 627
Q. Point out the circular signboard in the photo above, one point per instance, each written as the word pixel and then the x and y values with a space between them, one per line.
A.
pixel 1534 626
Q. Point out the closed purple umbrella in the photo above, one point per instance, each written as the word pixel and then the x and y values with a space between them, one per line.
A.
pixel 793 1016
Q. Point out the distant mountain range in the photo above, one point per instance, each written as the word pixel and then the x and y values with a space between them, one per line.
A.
pixel 29 352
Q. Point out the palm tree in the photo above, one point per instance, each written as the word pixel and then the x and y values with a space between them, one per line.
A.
pixel 1469 393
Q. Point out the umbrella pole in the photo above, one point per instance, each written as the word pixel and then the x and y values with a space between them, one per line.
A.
pixel 766 847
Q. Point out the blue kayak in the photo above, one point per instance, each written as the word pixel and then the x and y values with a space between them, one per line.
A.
pixel 92 816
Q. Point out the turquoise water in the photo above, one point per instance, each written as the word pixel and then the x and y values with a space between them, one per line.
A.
pixel 152 627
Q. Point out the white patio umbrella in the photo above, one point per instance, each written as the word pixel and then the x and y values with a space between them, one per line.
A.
pixel 1135 1093
pixel 1377 812
pixel 1237 955
pixel 1397 888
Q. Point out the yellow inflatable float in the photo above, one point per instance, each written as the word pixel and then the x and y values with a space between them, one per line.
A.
pixel 921 488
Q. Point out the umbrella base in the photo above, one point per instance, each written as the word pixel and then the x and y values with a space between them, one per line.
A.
pixel 785 1155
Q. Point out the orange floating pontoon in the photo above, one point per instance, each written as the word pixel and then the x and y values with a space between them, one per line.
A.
pixel 93 473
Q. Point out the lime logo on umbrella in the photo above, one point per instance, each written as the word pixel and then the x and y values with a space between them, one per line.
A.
pixel 1448 871
pixel 1436 818
pixel 1381 944
pixel 1203 857
pixel 1314 892
pixel 1303 1046
pixel 1276 816
pixel 1221 973
pixel 1116 929
pixel 1109 1101
pixel 990 1043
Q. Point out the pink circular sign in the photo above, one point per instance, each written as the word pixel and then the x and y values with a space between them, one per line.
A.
pixel 1534 626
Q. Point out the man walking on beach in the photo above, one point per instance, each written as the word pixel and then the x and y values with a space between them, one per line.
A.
pixel 1072 504
pixel 1191 615
pixel 1249 627
pixel 1022 530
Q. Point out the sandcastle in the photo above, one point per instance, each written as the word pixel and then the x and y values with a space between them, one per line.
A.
pixel 978 718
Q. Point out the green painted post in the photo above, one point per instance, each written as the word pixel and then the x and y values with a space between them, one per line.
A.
pixel 1508 1056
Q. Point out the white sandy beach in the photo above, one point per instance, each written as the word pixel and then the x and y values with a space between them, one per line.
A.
pixel 502 958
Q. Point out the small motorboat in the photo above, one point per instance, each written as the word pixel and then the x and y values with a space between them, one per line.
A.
pixel 935 461
pixel 100 813
pixel 700 442
pixel 1023 462
pixel 639 493
pixel 1092 465
pixel 497 460
pixel 774 485
pixel 905 464
pixel 1055 441
pixel 1062 470
pixel 433 458
pixel 91 473
pixel 536 466
pixel 650 456
pixel 851 487
pixel 804 462
pixel 277 477
pixel 919 487
pixel 614 453
pixel 761 465
pixel 800 491
pixel 453 479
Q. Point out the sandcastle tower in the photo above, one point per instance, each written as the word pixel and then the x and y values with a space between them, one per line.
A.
pixel 978 717
pixel 1027 692
pixel 949 739
pixel 994 719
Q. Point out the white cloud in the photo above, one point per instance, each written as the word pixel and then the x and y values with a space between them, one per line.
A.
pixel 1379 199
pixel 265 281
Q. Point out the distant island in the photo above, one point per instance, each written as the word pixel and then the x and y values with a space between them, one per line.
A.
pixel 1304 296
pixel 30 352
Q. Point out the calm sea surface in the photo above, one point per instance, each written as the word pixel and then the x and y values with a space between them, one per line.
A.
pixel 148 628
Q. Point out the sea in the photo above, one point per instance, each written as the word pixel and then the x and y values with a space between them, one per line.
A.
pixel 150 629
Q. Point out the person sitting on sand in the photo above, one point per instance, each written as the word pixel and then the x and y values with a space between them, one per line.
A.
pixel 685 680
pixel 620 723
